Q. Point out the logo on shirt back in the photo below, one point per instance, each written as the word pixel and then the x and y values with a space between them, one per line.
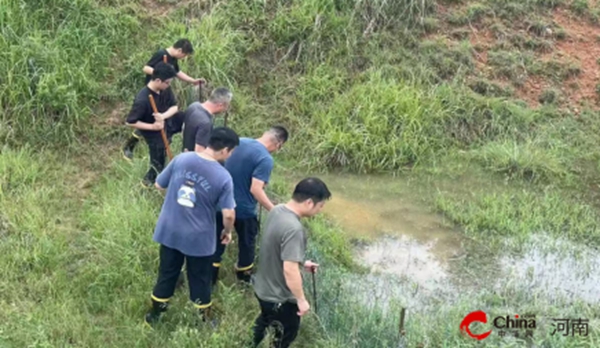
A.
pixel 186 196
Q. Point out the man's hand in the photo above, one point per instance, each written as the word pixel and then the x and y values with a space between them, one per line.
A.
pixel 159 117
pixel 311 267
pixel 303 307
pixel 199 81
pixel 225 237
pixel 158 125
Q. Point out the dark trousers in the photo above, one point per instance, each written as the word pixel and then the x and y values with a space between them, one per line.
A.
pixel 198 274
pixel 282 317
pixel 158 154
pixel 246 230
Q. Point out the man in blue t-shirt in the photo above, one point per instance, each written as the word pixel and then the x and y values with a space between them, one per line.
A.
pixel 197 184
pixel 250 168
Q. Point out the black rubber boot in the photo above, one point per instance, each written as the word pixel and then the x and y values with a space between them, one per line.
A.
pixel 129 147
pixel 207 316
pixel 244 276
pixel 157 309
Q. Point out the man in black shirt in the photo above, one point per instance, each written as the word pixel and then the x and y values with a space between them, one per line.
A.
pixel 180 50
pixel 143 118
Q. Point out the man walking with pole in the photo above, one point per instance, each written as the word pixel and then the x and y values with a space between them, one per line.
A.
pixel 278 283
pixel 250 167
pixel 178 51
pixel 151 124
pixel 197 184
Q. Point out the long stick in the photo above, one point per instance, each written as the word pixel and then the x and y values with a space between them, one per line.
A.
pixel 259 215
pixel 315 291
pixel 401 327
pixel 401 332
pixel 200 97
pixel 162 131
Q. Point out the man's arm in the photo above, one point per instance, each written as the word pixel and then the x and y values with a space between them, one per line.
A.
pixel 258 191
pixel 137 112
pixel 167 114
pixel 292 254
pixel 228 219
pixel 293 279
pixel 260 177
pixel 227 204
pixel 148 70
pixel 156 126
pixel 170 101
pixel 185 77
pixel 157 57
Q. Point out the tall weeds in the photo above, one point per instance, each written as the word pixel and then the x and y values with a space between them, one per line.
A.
pixel 58 58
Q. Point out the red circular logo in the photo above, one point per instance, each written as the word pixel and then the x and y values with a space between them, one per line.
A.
pixel 472 317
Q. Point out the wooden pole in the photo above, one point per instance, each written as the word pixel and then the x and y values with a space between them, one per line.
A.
pixel 162 131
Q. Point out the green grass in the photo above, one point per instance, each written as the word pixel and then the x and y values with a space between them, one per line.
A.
pixel 361 89
pixel 87 267
pixel 57 60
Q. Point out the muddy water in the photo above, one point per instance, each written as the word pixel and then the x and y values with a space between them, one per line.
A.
pixel 403 242
pixel 402 238
pixel 556 268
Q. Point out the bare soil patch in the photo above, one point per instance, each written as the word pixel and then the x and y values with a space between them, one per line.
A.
pixel 582 45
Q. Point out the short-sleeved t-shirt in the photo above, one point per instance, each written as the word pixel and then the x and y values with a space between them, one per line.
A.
pixel 197 125
pixel 250 159
pixel 142 110
pixel 196 186
pixel 159 57
pixel 283 239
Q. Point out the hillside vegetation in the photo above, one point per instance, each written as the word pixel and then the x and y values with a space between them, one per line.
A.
pixel 499 95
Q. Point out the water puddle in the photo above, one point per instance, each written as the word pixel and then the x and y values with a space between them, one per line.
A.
pixel 407 258
pixel 556 268
pixel 416 249
pixel 400 237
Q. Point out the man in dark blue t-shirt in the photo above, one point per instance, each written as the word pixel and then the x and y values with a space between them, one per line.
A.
pixel 250 168
pixel 197 185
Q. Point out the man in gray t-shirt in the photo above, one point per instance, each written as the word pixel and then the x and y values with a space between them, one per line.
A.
pixel 199 117
pixel 278 282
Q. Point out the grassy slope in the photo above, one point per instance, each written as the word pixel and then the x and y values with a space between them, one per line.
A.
pixel 364 85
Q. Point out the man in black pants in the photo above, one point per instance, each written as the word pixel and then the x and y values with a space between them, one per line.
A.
pixel 197 184
pixel 250 167
pixel 278 283
pixel 179 51
pixel 143 118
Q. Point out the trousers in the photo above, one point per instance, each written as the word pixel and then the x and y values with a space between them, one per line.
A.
pixel 282 317
pixel 246 230
pixel 198 274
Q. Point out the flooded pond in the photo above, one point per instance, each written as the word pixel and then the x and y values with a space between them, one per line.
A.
pixel 424 257
pixel 555 268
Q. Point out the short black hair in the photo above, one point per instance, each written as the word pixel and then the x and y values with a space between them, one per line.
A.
pixel 223 137
pixel 185 45
pixel 311 188
pixel 280 133
pixel 163 71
